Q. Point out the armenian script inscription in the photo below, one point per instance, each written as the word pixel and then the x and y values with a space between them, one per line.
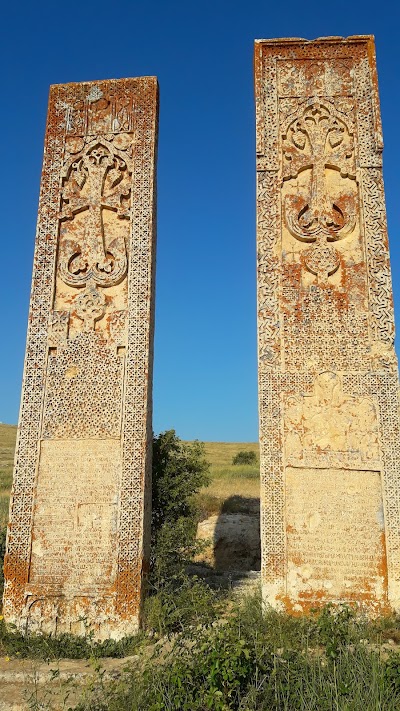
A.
pixel 77 545
pixel 78 492
pixel 335 535
pixel 328 379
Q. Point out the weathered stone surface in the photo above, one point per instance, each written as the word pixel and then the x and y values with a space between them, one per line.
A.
pixel 234 541
pixel 79 526
pixel 328 380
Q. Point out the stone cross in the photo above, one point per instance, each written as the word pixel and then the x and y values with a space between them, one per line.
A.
pixel 328 379
pixel 77 545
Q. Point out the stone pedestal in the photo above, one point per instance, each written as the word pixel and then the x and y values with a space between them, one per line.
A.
pixel 78 537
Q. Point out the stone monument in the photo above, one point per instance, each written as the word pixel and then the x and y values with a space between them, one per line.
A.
pixel 328 380
pixel 77 543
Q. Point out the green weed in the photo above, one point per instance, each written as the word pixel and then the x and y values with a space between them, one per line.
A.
pixel 64 646
pixel 256 660
pixel 239 471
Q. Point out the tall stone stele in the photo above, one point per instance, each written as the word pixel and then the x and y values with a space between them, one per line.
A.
pixel 328 380
pixel 78 536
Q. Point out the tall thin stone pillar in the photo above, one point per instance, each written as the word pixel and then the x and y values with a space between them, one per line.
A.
pixel 77 544
pixel 328 379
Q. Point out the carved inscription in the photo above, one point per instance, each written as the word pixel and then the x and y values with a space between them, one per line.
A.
pixel 335 536
pixel 75 519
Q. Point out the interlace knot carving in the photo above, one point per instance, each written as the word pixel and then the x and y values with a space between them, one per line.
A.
pixel 90 306
pixel 97 179
pixel 318 139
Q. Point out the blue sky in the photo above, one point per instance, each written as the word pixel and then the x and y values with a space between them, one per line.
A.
pixel 205 378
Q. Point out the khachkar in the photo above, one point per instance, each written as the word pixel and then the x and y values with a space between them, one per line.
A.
pixel 78 536
pixel 328 382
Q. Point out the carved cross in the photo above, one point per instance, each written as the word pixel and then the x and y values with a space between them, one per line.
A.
pixel 318 139
pixel 97 180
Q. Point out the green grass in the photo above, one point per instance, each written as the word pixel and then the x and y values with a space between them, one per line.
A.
pixel 262 660
pixel 239 471
pixel 233 488
pixel 220 454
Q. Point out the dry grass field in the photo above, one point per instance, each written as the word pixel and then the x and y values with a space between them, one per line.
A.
pixel 233 488
pixel 230 489
pixel 220 454
pixel 8 434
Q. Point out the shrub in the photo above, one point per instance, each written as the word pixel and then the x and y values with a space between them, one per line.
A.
pixel 176 608
pixel 244 457
pixel 179 471
pixel 176 599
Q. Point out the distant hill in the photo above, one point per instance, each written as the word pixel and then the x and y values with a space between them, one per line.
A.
pixel 220 454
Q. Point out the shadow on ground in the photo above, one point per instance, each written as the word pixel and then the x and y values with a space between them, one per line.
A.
pixel 234 553
pixel 237 535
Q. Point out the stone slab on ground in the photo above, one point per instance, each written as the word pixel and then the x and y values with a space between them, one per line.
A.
pixel 234 541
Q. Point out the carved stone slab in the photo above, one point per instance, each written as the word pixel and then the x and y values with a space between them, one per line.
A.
pixel 77 544
pixel 328 379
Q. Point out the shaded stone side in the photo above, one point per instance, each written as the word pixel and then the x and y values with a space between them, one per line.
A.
pixel 328 379
pixel 77 543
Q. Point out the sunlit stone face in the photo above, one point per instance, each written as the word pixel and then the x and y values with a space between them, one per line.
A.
pixel 328 380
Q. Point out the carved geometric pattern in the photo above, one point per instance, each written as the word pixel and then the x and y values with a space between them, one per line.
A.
pixel 136 464
pixel 322 331
pixel 118 327
pixel 58 327
pixel 16 565
pixel 268 269
pixel 380 290
pixel 80 402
